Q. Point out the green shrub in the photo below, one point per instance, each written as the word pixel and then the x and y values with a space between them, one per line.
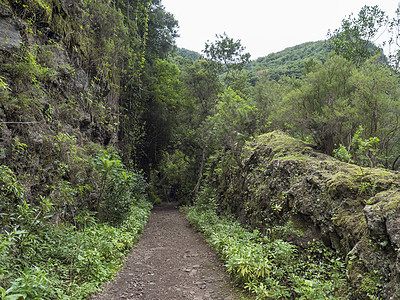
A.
pixel 271 268
pixel 10 189
pixel 60 262
pixel 118 187
pixel 45 256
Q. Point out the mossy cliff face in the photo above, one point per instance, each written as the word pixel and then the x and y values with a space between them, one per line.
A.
pixel 56 68
pixel 352 209
pixel 61 70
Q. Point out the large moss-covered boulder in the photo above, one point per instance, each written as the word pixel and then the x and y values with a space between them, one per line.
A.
pixel 352 209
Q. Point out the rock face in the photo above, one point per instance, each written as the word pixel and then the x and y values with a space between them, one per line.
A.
pixel 53 103
pixel 352 209
pixel 10 37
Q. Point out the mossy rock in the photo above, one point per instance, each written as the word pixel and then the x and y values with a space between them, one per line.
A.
pixel 35 11
pixel 383 217
pixel 283 179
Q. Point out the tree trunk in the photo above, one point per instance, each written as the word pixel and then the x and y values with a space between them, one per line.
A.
pixel 203 161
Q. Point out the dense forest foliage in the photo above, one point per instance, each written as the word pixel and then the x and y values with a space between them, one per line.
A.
pixel 290 62
pixel 96 102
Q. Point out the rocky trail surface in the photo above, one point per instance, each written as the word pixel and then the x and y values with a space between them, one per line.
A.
pixel 170 261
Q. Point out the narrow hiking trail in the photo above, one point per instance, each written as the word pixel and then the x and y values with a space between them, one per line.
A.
pixel 170 261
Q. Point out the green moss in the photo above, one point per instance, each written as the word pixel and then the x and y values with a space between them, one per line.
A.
pixel 35 10
pixel 355 224
pixel 281 142
pixel 45 6
pixel 388 201
pixel 341 181
pixel 370 283
pixel 5 3
pixel 293 157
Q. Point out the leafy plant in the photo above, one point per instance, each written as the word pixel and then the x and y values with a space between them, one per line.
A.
pixel 4 87
pixel 61 250
pixel 271 268
pixel 118 187
pixel 342 154
pixel 73 263
pixel 33 284
pixel 366 151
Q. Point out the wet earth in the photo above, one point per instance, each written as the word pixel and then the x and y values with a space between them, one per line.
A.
pixel 170 261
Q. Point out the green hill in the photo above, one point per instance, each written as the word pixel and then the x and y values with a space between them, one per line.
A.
pixel 187 54
pixel 288 62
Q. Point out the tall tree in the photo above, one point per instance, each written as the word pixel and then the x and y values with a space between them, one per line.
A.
pixel 377 107
pixel 355 39
pixel 146 84
pixel 321 104
pixel 227 55
pixel 202 84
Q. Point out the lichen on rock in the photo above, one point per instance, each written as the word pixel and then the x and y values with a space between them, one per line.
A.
pixel 352 209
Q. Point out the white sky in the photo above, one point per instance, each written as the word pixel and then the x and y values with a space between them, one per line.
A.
pixel 263 26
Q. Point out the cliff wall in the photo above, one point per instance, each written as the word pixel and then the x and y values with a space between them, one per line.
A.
pixel 60 75
pixel 352 209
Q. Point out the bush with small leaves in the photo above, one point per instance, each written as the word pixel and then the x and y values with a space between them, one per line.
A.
pixel 269 267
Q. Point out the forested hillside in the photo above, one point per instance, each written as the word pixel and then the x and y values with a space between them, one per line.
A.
pixel 187 54
pixel 100 117
pixel 291 62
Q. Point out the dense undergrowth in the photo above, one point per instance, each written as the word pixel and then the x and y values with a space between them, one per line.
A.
pixel 62 262
pixel 268 266
pixel 61 247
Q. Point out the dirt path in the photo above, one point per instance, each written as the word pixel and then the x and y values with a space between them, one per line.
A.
pixel 171 261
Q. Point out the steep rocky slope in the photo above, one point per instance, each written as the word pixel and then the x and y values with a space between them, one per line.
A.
pixel 352 209
pixel 60 90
